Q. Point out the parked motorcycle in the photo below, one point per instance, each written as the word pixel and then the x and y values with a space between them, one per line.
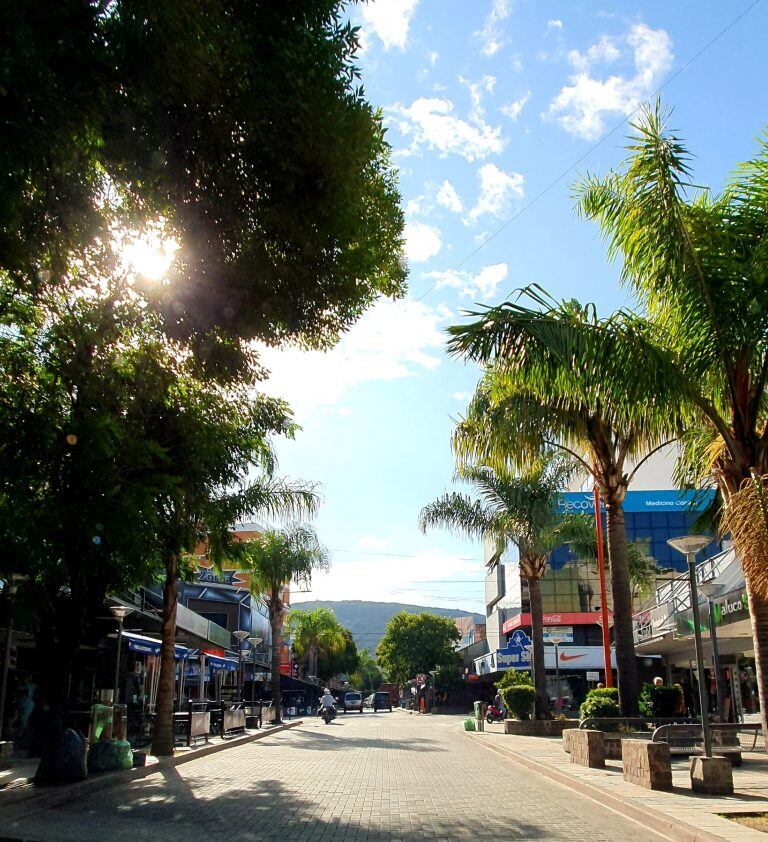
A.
pixel 494 715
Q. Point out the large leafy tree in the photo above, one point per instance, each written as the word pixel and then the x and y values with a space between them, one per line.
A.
pixel 541 390
pixel 274 560
pixel 316 633
pixel 698 263
pixel 517 510
pixel 367 675
pixel 241 127
pixel 340 661
pixel 416 643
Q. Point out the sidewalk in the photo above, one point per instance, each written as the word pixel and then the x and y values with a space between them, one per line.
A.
pixel 19 796
pixel 679 814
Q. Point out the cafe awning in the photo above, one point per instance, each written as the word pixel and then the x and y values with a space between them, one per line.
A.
pixel 214 662
pixel 150 646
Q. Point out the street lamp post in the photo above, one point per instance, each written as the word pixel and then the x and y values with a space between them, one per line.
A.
pixel 120 612
pixel 254 642
pixel 240 635
pixel 556 641
pixel 689 545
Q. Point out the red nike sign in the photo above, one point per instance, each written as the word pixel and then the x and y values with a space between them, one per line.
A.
pixel 564 657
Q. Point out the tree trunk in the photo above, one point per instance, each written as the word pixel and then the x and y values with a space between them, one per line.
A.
pixel 626 662
pixel 313 660
pixel 537 656
pixel 162 737
pixel 276 624
pixel 758 609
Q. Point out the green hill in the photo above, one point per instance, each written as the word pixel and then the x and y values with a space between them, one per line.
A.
pixel 367 620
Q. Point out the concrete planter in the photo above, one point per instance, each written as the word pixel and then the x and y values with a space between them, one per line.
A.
pixel 538 727
pixel 613 742
pixel 647 764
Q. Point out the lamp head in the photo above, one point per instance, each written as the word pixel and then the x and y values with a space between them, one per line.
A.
pixel 254 641
pixel 687 544
pixel 120 612
pixel 240 635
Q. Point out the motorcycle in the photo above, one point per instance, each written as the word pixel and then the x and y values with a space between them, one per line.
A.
pixel 494 714
pixel 328 714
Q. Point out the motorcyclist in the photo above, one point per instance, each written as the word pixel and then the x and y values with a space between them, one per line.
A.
pixel 498 703
pixel 327 700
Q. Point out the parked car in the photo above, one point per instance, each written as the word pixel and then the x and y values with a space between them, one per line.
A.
pixel 382 701
pixel 352 701
pixel 368 701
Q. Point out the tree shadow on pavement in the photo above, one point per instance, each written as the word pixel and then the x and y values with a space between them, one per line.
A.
pixel 339 741
pixel 166 807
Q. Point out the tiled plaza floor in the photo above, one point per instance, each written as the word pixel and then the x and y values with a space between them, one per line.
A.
pixel 363 777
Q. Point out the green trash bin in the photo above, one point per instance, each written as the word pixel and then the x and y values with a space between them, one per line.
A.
pixel 478 710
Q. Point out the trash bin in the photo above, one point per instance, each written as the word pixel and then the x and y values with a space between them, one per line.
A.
pixel 478 713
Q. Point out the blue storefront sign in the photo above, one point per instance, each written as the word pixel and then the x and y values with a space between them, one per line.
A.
pixel 673 500
pixel 517 654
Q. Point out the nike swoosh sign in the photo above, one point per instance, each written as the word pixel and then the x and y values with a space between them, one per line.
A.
pixel 564 657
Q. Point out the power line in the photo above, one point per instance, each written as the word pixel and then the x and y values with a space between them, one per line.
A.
pixel 598 143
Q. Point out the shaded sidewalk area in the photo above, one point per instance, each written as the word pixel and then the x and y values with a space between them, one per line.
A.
pixel 18 794
pixel 680 814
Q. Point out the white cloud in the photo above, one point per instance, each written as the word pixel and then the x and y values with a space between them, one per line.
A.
pixel 433 56
pixel 497 189
pixel 483 285
pixel 554 23
pixel 603 52
pixel 581 105
pixel 449 198
pixel 392 340
pixel 422 241
pixel 411 579
pixel 390 20
pixel 491 35
pixel 461 396
pixel 431 122
pixel 513 109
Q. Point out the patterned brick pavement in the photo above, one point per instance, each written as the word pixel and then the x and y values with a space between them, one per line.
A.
pixel 382 776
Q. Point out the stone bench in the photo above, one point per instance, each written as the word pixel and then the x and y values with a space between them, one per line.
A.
pixel 587 748
pixel 646 764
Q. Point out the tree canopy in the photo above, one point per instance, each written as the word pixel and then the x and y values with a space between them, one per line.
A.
pixel 241 128
pixel 417 643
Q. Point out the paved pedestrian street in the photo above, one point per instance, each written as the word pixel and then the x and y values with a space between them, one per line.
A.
pixel 363 777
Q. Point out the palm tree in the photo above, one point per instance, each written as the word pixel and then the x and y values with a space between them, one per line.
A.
pixel 519 510
pixel 316 633
pixel 698 264
pixel 275 559
pixel 540 391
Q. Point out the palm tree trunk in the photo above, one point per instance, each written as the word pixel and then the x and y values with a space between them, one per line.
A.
pixel 276 624
pixel 626 662
pixel 162 737
pixel 313 660
pixel 758 609
pixel 537 637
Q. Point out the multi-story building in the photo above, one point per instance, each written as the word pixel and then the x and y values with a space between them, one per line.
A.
pixel 571 592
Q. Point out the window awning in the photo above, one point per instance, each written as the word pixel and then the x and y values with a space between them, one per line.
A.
pixel 150 646
pixel 214 662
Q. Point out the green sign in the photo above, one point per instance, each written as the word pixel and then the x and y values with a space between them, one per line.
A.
pixel 730 608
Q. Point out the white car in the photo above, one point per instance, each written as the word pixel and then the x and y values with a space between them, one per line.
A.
pixel 352 701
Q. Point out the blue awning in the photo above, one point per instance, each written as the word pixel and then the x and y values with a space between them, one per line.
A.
pixel 150 646
pixel 214 662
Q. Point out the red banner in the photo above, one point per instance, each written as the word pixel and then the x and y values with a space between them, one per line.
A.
pixel 563 619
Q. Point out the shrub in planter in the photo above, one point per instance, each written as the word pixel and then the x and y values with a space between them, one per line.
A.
pixel 662 701
pixel 602 703
pixel 518 693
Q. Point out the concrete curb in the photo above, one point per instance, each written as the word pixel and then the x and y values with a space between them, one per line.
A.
pixel 31 799
pixel 646 816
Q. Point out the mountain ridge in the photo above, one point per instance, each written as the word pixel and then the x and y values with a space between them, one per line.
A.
pixel 367 619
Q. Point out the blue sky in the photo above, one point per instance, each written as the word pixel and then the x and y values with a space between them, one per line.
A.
pixel 486 103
